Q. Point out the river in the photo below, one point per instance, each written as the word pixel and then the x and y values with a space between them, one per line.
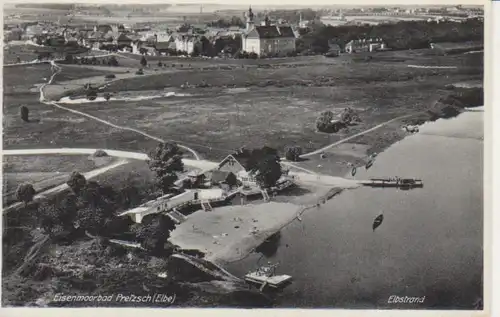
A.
pixel 430 242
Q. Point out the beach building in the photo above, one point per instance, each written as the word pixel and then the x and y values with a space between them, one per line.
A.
pixel 267 38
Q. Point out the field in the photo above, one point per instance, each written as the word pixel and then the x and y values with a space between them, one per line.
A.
pixel 44 171
pixel 261 102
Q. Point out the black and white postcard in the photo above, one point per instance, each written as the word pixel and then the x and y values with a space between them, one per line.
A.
pixel 239 154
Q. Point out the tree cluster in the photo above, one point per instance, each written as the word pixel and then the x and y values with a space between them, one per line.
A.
pixel 109 61
pixel 264 163
pixel 166 161
pixel 226 23
pixel 293 153
pixel 398 36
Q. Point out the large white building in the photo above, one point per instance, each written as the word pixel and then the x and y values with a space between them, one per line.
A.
pixel 267 39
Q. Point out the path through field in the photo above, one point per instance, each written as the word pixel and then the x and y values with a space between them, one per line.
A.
pixel 63 187
pixel 58 69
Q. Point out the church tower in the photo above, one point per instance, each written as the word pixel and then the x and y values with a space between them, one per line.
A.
pixel 250 21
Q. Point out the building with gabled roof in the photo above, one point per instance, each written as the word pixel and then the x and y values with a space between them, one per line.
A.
pixel 267 39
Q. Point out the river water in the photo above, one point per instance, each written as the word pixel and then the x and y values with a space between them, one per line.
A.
pixel 430 242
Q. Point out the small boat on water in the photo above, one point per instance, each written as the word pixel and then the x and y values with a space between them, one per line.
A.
pixel 264 276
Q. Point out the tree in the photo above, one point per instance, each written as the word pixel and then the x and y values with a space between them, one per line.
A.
pixel 265 164
pixel 91 219
pixel 293 153
pixel 154 232
pixel 324 123
pixel 92 94
pixel 25 193
pixel 68 211
pixel 69 59
pixel 232 180
pixel 47 217
pixel 76 182
pixel 113 61
pixel 165 161
pixel 24 113
pixel 144 62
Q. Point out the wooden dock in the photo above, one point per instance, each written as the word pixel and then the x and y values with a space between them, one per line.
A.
pixel 393 182
pixel 275 281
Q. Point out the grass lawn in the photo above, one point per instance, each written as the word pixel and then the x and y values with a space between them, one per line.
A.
pixel 40 181
pixel 70 72
pixel 52 163
pixel 24 52
pixel 22 79
pixel 217 124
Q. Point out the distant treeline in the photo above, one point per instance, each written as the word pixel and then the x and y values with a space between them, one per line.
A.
pixel 398 36
pixel 292 16
pixel 226 23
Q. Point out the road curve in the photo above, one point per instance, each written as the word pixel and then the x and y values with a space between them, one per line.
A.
pixel 201 164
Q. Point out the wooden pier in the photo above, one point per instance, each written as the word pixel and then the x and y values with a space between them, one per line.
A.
pixel 275 281
pixel 403 183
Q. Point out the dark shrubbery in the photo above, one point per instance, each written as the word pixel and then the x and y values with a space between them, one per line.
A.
pixel 24 113
pixel 76 182
pixel 324 123
pixel 100 153
pixel 110 76
pixel 165 161
pixel 139 72
pixel 293 153
pixel 92 94
pixel 25 193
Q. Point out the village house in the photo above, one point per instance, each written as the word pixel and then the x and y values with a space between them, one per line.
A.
pixel 364 45
pixel 333 50
pixel 188 43
pixel 238 164
pixel 267 38
pixel 104 28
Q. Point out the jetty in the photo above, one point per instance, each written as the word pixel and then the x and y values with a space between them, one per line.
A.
pixel 403 183
pixel 264 276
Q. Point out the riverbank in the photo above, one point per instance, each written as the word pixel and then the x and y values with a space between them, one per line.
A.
pixel 230 233
pixel 430 241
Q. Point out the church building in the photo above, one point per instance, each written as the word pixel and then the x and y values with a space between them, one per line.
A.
pixel 266 38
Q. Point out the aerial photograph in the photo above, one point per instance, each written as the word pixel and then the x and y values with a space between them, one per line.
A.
pixel 211 155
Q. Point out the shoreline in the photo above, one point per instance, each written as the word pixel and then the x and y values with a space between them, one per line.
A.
pixel 330 194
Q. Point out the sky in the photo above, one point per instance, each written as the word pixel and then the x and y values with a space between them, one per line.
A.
pixel 344 3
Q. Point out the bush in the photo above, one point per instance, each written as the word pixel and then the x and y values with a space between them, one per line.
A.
pixel 24 113
pixel 293 153
pixel 326 123
pixel 92 94
pixel 25 193
pixel 112 61
pixel 76 182
pixel 139 72
pixel 100 153
pixel 110 76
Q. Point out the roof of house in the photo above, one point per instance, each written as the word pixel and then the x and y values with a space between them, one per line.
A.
pixel 271 31
pixel 334 47
pixel 163 45
pixel 219 176
pixel 243 158
pixel 123 37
